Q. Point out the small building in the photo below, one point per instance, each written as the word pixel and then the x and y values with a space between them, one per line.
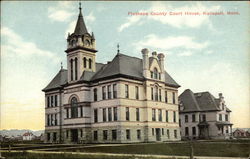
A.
pixel 241 133
pixel 28 136
pixel 202 116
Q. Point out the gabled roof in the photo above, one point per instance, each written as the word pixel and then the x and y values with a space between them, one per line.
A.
pixel 57 82
pixel 202 101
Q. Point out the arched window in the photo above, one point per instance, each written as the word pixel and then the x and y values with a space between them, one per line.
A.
pixel 71 69
pixel 84 62
pixel 74 108
pixel 156 93
pixel 90 63
pixel 155 73
pixel 75 68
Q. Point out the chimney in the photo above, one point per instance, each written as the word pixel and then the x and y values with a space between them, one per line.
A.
pixel 154 54
pixel 145 61
pixel 161 61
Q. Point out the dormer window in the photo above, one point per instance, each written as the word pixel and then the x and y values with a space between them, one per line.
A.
pixel 155 73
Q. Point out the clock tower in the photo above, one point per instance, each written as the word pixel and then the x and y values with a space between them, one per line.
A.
pixel 80 51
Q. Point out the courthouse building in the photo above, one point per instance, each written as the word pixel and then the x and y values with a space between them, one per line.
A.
pixel 125 100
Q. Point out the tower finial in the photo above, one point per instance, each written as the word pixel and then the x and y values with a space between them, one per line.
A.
pixel 118 46
pixel 80 8
pixel 61 65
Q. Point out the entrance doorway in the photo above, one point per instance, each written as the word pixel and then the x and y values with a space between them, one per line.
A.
pixel 74 135
pixel 158 134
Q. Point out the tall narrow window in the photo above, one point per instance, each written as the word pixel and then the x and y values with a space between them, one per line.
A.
pixel 137 114
pixel 160 114
pixel 220 117
pixel 193 117
pixel 168 133
pixel 51 101
pixel 90 63
pixel 109 114
pixel 104 118
pixel 160 95
pixel 156 93
pixel 114 134
pixel 186 118
pixel 103 92
pixel 48 120
pixel 74 108
pixel 48 101
pixel 186 131
pixel 56 101
pixel 95 135
pixel 204 117
pixel 76 68
pixel 166 97
pixel 128 134
pixel 55 119
pixel 127 113
pixel 194 130
pixel 105 134
pixel 126 91
pixel 67 112
pixel 71 69
pixel 153 131
pixel 166 116
pixel 95 115
pixel 114 91
pixel 153 114
pixel 136 92
pixel 155 74
pixel 174 102
pixel 174 116
pixel 51 119
pixel 109 91
pixel 138 134
pixel 152 93
pixel 81 111
pixel 226 117
pixel 175 133
pixel 95 94
pixel 84 62
pixel 115 113
pixel 152 74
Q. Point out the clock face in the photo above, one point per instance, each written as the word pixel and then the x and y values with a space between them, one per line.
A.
pixel 86 43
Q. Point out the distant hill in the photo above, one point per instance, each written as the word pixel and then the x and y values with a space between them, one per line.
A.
pixel 16 132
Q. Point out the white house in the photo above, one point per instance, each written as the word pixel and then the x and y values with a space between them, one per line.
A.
pixel 28 136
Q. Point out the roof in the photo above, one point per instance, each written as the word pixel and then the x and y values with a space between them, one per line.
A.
pixel 80 28
pixel 202 101
pixel 121 66
pixel 28 134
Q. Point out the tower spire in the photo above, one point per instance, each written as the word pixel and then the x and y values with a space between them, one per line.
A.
pixel 118 46
pixel 80 28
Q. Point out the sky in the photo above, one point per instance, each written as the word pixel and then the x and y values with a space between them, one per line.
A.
pixel 202 52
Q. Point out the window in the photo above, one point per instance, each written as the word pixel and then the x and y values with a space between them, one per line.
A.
pixel 84 62
pixel 103 92
pixel 152 74
pixel 186 118
pixel 90 63
pixel 95 94
pixel 226 117
pixel 204 117
pixel 156 93
pixel 71 69
pixel 193 130
pixel 153 131
pixel 75 68
pixel 174 98
pixel 166 97
pixel 152 93
pixel 128 134
pixel 48 120
pixel 55 119
pixel 168 133
pixel 81 111
pixel 138 134
pixel 115 113
pixel 56 100
pixel 109 114
pixel 220 117
pixel 95 115
pixel 186 131
pixel 160 95
pixel 160 114
pixel 51 119
pixel 162 131
pixel 137 114
pixel 48 136
pixel 114 91
pixel 155 73
pixel 166 116
pixel 153 114
pixel 74 108
pixel 127 113
pixel 67 134
pixel 223 105
pixel 95 135
pixel 48 101
pixel 136 92
pixel 51 101
pixel 67 112
pixel 159 76
pixel 81 133
pixel 104 118
pixel 109 91
pixel 126 91
pixel 105 134
pixel 174 120
pixel 114 134
pixel 193 118
pixel 175 133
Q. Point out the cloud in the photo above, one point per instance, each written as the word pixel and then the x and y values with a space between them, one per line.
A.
pixel 174 21
pixel 165 44
pixel 14 45
pixel 62 12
